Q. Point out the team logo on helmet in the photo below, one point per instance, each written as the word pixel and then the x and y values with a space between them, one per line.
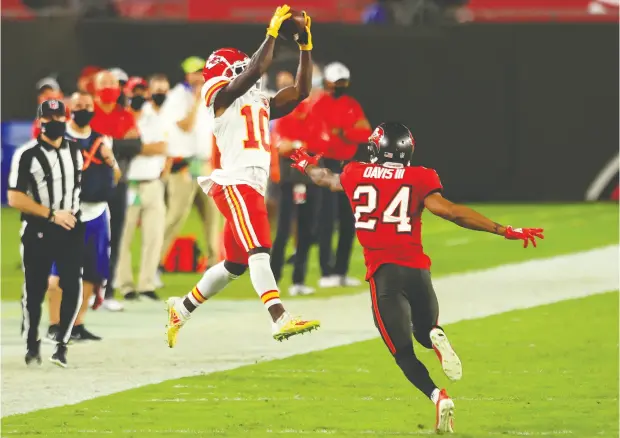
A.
pixel 376 136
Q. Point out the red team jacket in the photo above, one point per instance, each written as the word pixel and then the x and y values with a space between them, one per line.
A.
pixel 388 204
pixel 116 123
pixel 329 114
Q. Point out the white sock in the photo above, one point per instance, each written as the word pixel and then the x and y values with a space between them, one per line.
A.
pixel 263 280
pixel 435 395
pixel 213 281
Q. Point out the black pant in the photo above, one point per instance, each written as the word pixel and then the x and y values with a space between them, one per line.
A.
pixel 305 216
pixel 118 207
pixel 403 300
pixel 42 245
pixel 332 206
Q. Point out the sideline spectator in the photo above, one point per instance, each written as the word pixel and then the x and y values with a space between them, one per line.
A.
pixel 146 194
pixel 100 173
pixel 340 125
pixel 115 121
pixel 180 114
pixel 298 196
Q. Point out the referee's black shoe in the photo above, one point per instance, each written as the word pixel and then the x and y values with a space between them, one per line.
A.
pixel 33 355
pixel 79 333
pixel 60 355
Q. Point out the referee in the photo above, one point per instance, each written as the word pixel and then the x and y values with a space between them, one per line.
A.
pixel 44 184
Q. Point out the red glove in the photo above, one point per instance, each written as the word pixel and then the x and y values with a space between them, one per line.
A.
pixel 301 160
pixel 526 234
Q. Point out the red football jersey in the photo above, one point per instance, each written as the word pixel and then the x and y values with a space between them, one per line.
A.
pixel 387 203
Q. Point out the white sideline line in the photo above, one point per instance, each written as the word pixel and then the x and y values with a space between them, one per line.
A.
pixel 228 334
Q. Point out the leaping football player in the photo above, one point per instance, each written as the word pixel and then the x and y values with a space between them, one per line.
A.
pixel 388 196
pixel 241 115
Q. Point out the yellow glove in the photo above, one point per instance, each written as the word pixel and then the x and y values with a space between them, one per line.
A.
pixel 281 15
pixel 305 39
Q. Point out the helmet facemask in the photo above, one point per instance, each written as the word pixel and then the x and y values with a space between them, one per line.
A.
pixel 237 68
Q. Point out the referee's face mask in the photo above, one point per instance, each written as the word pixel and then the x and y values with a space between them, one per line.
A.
pixel 54 128
pixel 52 114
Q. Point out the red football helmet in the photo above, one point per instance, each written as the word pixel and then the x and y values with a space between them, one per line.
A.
pixel 226 62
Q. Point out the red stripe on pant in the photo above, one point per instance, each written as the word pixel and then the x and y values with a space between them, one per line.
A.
pixel 375 309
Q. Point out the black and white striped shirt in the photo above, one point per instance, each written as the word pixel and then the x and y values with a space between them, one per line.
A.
pixel 50 176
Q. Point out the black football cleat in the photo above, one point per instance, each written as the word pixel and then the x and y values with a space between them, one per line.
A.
pixel 60 356
pixel 33 355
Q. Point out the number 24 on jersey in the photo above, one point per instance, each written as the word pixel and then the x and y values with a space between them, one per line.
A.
pixel 396 212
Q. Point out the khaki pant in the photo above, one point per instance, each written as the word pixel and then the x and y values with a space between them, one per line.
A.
pixel 181 190
pixel 150 209
pixel 181 196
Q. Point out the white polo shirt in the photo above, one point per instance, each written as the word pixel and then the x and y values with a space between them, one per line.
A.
pixel 203 134
pixel 152 130
pixel 178 104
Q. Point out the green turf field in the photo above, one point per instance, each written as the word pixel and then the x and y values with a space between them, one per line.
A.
pixel 568 228
pixel 546 371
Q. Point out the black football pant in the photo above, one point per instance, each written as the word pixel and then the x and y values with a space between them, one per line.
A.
pixel 403 300
pixel 42 245
pixel 335 205
pixel 118 208
pixel 305 219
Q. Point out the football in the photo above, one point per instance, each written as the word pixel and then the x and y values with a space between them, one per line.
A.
pixel 292 28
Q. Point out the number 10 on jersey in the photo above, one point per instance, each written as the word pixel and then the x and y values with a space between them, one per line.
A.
pixel 257 126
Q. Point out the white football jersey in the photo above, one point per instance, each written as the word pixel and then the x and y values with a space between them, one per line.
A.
pixel 242 137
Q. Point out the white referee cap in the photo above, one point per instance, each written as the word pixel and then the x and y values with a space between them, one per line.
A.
pixel 336 71
pixel 119 74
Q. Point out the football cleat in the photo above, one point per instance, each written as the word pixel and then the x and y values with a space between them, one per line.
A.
pixel 286 326
pixel 444 421
pixel 450 362
pixel 175 321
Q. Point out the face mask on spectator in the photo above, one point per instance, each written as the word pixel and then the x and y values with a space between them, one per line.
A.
pixel 82 117
pixel 158 98
pixel 53 129
pixel 339 91
pixel 109 94
pixel 136 102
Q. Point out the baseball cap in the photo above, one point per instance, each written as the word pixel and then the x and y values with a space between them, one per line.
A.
pixel 134 82
pixel 193 64
pixel 336 71
pixel 50 82
pixel 51 108
pixel 119 74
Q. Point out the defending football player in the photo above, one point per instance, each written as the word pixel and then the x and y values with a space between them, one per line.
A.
pixel 241 116
pixel 388 196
